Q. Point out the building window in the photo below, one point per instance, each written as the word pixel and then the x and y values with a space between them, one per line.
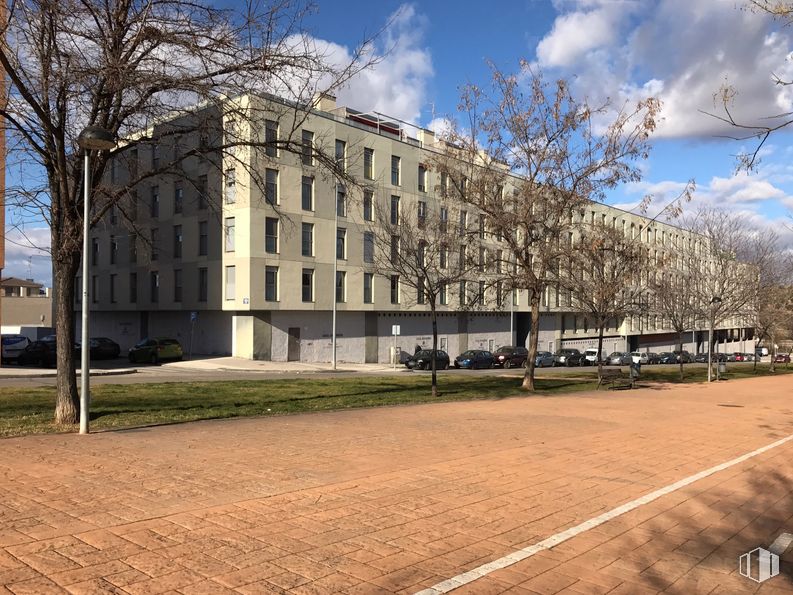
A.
pixel 444 185
pixel 394 249
pixel 481 227
pixel 94 251
pixel 307 239
pixel 271 186
pixel 368 246
pixel 499 259
pixel 341 286
pixel 396 165
pixel 341 243
pixel 308 148
pixel 271 284
pixel 201 189
pixel 203 284
pixel 307 194
pixel 231 282
pixel 154 286
pixel 178 199
pixel 443 294
pixel 228 233
pixel 271 235
pixel 422 251
pixel 368 279
pixel 271 138
pixel 113 288
pixel 231 186
pixel 155 243
pixel 154 207
pixel 482 259
pixel 444 220
pixel 422 178
pixel 341 154
pixel 341 200
pixel 113 249
pixel 94 289
pixel 133 248
pixel 394 210
pixel 421 212
pixel 308 285
pixel 155 156
pixel 368 206
pixel 133 288
pixel 444 256
pixel 463 222
pixel 177 285
pixel 368 164
pixel 420 296
pixel 202 238
pixel 177 241
pixel 462 293
pixel 394 289
pixel 113 215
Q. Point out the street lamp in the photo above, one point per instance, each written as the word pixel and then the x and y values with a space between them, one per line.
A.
pixel 92 138
pixel 713 302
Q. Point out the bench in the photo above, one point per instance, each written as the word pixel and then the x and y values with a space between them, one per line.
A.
pixel 612 377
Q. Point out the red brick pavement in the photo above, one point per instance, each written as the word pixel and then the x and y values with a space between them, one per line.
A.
pixel 399 499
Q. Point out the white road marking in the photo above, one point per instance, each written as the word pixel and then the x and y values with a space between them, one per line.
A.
pixel 554 540
pixel 781 544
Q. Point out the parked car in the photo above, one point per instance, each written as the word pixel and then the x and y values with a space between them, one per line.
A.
pixel 511 357
pixel 782 358
pixel 750 357
pixel 422 360
pixel 104 348
pixel 156 350
pixel 39 353
pixel 619 359
pixel 474 358
pixel 667 357
pixel 683 356
pixel 568 357
pixel 544 359
pixel 653 358
pixel 13 345
pixel 735 357
pixel 643 358
pixel 591 356
pixel 761 351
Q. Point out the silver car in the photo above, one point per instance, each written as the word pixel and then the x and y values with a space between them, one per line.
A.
pixel 619 359
pixel 544 359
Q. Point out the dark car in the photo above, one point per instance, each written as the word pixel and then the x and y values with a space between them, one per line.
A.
pixel 667 357
pixel 39 353
pixel 782 358
pixel 511 357
pixel 104 348
pixel 12 346
pixel 422 360
pixel 653 358
pixel 474 358
pixel 702 358
pixel 156 350
pixel 568 357
pixel 683 356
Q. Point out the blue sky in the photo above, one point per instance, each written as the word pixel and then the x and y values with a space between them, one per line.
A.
pixel 681 51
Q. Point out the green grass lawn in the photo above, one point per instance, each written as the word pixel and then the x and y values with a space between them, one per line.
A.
pixel 28 411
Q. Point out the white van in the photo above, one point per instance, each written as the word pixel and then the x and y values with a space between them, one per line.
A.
pixel 591 355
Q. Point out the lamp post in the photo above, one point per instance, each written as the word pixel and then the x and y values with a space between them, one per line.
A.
pixel 335 277
pixel 713 302
pixel 92 138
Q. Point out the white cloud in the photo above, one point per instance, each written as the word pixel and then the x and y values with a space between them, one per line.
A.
pixel 681 50
pixel 27 254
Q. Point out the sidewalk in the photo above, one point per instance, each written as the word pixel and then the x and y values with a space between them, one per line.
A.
pixel 18 372
pixel 238 364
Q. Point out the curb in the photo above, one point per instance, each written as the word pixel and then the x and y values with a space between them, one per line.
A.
pixel 122 372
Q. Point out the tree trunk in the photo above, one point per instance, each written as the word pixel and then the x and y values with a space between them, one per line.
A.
pixel 772 365
pixel 433 363
pixel 534 334
pixel 599 355
pixel 680 349
pixel 67 402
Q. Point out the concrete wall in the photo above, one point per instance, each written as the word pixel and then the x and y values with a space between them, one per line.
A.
pixel 26 311
pixel 316 334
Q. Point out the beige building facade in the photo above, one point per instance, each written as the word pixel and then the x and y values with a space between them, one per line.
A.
pixel 230 266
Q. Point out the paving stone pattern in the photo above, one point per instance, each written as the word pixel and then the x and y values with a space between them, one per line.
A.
pixel 398 499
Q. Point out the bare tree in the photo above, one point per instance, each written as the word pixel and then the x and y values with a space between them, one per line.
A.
pixel 604 276
pixel 419 248
pixel 137 68
pixel 530 158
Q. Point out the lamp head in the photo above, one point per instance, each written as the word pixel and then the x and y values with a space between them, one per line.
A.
pixel 96 138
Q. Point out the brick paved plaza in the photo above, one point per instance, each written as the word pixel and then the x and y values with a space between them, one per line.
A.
pixel 401 499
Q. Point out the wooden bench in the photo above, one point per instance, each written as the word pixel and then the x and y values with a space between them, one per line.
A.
pixel 612 377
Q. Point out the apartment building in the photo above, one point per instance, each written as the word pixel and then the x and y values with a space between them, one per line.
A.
pixel 235 267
